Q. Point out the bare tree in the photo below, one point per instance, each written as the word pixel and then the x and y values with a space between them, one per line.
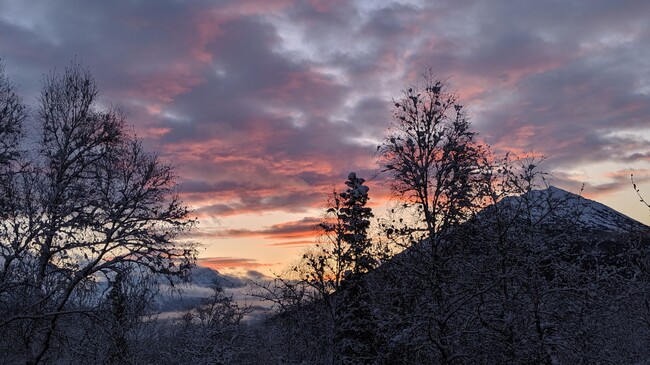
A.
pixel 299 328
pixel 12 116
pixel 211 333
pixel 638 193
pixel 434 157
pixel 90 200
pixel 435 161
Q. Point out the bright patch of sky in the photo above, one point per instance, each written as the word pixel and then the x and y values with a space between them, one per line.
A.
pixel 299 46
pixel 275 257
pixel 638 134
pixel 366 140
pixel 642 84
pixel 220 72
pixel 595 173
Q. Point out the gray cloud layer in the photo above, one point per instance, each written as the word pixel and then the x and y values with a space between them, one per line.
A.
pixel 264 104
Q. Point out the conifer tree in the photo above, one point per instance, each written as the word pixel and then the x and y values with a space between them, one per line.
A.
pixel 354 336
pixel 355 217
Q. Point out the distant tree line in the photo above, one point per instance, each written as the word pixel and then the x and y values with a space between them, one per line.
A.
pixel 479 261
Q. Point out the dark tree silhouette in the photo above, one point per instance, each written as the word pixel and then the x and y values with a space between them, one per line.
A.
pixel 89 200
pixel 434 157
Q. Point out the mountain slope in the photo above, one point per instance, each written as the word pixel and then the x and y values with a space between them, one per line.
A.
pixel 552 204
pixel 203 281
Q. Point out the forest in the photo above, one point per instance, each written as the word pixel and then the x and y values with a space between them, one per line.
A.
pixel 479 260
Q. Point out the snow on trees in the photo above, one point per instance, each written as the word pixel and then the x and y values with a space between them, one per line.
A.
pixel 495 265
pixel 88 201
pixel 435 161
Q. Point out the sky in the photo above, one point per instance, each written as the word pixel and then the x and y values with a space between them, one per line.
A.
pixel 265 106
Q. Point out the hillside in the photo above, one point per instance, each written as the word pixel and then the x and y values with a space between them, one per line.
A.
pixel 589 215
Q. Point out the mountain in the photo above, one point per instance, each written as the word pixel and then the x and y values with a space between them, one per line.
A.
pixel 550 205
pixel 527 273
pixel 542 278
pixel 203 281
pixel 595 216
pixel 547 214
pixel 206 277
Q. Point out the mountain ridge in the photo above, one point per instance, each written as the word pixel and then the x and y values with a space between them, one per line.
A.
pixel 588 214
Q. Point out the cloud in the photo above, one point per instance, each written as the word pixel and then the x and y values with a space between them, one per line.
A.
pixel 296 243
pixel 306 227
pixel 292 202
pixel 231 263
pixel 619 180
pixel 265 106
pixel 256 275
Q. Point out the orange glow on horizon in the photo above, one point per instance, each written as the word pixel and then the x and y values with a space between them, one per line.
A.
pixel 220 263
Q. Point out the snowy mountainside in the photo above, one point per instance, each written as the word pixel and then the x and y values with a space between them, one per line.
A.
pixel 201 284
pixel 597 228
pixel 206 277
pixel 553 203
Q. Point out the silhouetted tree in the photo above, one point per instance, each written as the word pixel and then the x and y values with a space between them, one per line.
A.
pixel 434 157
pixel 12 116
pixel 435 161
pixel 355 328
pixel 331 279
pixel 90 199
pixel 346 249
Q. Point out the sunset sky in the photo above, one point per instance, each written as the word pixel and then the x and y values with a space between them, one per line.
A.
pixel 264 106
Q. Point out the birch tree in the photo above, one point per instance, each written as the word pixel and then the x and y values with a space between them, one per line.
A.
pixel 90 199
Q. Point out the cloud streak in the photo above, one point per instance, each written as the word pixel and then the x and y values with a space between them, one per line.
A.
pixel 306 227
pixel 218 263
